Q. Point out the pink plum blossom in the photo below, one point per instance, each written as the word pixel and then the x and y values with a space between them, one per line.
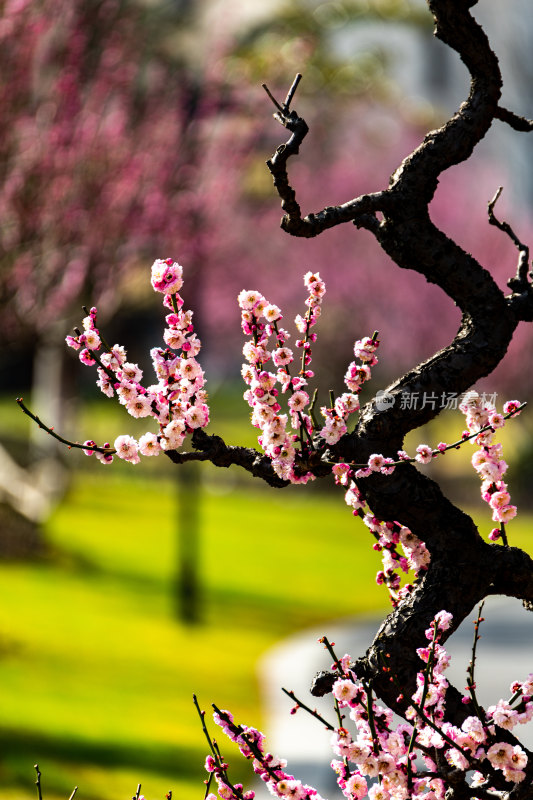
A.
pixel 248 299
pixel 167 276
pixel 86 357
pixel 511 407
pixel 356 787
pixel 89 444
pixel 149 445
pixel 345 690
pixel 375 462
pixel 424 454
pixel 72 342
pixel 127 448
pixel 139 406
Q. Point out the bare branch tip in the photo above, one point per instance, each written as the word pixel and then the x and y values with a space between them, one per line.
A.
pixel 292 90
pixel 495 199
pixel 269 93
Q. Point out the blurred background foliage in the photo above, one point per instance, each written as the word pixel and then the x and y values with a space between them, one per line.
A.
pixel 130 131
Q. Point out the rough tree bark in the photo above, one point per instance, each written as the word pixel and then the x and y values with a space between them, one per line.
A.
pixel 464 569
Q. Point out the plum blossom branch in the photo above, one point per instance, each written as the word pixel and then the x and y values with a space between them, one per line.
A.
pixel 89 445
pixel 212 448
pixel 425 454
pixel 312 711
pixel 382 749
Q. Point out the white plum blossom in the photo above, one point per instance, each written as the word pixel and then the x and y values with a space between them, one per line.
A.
pixel 127 448
pixel 149 445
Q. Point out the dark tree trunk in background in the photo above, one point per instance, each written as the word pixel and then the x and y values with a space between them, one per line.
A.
pixel 188 591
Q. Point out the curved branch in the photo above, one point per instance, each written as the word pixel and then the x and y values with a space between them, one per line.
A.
pixel 278 163
pixel 520 302
pixel 520 282
pixel 481 342
pixel 213 448
pixel 489 319
pixel 415 181
pixel 313 224
pixel 409 237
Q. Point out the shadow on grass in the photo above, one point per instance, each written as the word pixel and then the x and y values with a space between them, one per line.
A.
pixel 36 747
pixel 216 604
pixel 273 615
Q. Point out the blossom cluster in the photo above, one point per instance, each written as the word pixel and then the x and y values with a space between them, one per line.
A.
pixel 267 767
pixel 482 420
pixel 177 401
pixel 288 439
pixel 380 751
pixel 388 537
pixel 386 762
pixel 488 460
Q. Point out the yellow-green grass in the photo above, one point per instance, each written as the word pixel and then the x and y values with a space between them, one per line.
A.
pixel 97 674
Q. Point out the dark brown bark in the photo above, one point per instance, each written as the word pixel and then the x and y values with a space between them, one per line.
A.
pixel 464 569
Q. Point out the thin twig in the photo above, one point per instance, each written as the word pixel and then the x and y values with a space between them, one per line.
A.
pixel 201 714
pixel 428 676
pixel 215 749
pixel 73 793
pixel 472 665
pixel 38 781
pixel 283 108
pixel 515 121
pixel 371 721
pixel 329 647
pixel 51 432
pixel 314 713
pixel 520 280
pixel 436 451
pixel 312 409
pixel 269 93
pixel 290 93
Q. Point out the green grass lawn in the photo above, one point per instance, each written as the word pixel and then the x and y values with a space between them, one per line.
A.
pixel 97 673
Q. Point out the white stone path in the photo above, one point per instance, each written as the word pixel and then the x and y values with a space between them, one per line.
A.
pixel 505 653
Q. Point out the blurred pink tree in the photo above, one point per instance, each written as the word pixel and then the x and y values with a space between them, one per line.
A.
pixel 112 153
pixel 96 164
